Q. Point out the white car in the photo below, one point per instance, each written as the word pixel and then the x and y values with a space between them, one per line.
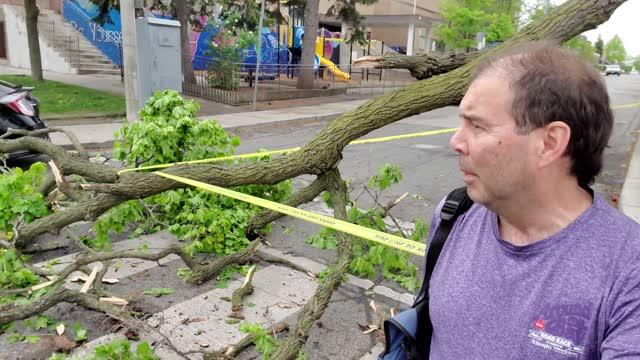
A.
pixel 613 69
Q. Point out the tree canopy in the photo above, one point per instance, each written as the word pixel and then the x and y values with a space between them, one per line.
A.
pixel 464 19
pixel 615 51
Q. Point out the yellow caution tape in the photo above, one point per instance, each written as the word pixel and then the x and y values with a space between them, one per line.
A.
pixel 397 242
pixel 284 151
pixel 625 106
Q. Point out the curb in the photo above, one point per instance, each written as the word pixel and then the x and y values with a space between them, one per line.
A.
pixel 80 117
pixel 630 194
pixel 236 130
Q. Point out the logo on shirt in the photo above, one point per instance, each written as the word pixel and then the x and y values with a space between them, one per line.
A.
pixel 554 343
pixel 561 329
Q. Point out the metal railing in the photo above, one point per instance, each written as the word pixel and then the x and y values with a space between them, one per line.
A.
pixel 232 83
pixel 67 44
pixel 64 42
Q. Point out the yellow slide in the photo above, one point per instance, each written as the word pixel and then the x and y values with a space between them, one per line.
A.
pixel 341 75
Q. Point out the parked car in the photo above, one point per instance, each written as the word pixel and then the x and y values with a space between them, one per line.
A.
pixel 612 69
pixel 19 110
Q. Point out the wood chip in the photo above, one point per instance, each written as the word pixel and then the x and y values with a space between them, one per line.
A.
pixel 393 312
pixel 229 351
pixel 111 281
pixel 113 301
pixel 372 304
pixel 249 276
pixel 50 277
pixel 267 243
pixel 60 329
pixel 369 331
pixel 204 345
pixel 284 306
pixel 312 275
pixel 90 280
pixel 43 285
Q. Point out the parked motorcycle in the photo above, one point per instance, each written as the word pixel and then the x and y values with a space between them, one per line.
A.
pixel 19 110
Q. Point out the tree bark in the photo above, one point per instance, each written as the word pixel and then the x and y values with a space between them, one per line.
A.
pixel 182 13
pixel 32 12
pixel 311 17
pixel 421 66
pixel 313 310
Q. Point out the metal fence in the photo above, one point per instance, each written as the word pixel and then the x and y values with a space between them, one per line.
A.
pixel 65 43
pixel 233 83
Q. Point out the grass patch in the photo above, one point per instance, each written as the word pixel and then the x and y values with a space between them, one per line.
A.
pixel 58 98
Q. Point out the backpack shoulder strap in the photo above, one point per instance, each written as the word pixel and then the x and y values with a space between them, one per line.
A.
pixel 456 204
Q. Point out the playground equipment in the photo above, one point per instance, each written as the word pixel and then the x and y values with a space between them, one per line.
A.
pixel 331 67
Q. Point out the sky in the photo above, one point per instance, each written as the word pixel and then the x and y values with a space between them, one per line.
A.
pixel 625 22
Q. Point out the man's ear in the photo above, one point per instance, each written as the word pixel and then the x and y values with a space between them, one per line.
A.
pixel 554 139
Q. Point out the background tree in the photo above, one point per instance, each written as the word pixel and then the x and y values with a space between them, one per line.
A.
pixel 614 50
pixel 33 39
pixel 599 47
pixel 463 19
pixel 582 46
pixel 636 63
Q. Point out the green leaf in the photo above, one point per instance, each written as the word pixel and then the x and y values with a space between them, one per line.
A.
pixel 287 231
pixel 15 337
pixel 159 291
pixel 144 350
pixel 42 322
pixel 32 339
pixel 80 332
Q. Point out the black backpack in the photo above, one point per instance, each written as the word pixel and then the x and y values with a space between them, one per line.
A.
pixel 402 330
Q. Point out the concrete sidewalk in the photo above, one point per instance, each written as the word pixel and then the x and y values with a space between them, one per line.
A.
pixel 101 136
pixel 630 195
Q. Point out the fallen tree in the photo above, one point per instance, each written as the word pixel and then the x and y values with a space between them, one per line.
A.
pixel 102 189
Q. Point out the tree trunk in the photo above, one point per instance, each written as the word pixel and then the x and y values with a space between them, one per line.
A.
pixel 305 80
pixel 421 66
pixel 32 13
pixel 182 13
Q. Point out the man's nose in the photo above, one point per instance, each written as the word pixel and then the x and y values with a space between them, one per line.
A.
pixel 457 142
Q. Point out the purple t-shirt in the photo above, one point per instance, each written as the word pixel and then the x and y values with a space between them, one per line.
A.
pixel 573 295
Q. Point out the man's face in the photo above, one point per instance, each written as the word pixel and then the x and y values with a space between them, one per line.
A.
pixel 494 159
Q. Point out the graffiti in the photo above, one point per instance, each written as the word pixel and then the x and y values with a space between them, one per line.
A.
pixel 105 36
pixel 76 26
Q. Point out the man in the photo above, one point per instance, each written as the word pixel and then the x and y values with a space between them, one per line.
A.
pixel 540 267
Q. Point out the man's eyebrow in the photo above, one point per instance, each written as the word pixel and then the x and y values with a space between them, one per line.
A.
pixel 472 117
